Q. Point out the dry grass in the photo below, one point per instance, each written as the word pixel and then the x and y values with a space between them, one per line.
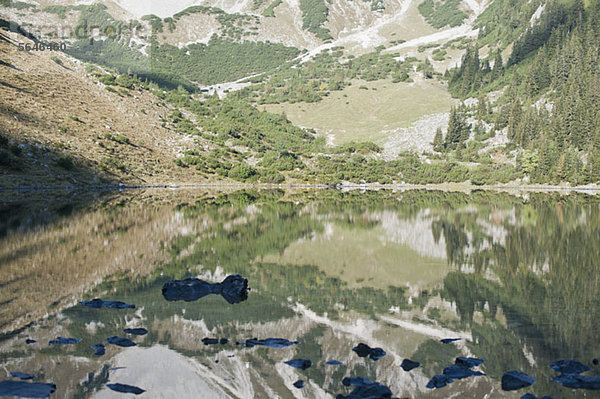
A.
pixel 58 111
pixel 359 115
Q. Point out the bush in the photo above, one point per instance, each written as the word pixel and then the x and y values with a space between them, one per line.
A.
pixel 242 172
pixel 65 163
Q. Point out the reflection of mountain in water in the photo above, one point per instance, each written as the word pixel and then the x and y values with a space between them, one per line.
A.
pixel 520 319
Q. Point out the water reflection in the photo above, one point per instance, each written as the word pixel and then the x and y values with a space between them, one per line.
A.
pixel 514 278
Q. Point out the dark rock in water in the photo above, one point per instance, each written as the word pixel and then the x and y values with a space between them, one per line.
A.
pixel 449 340
pixel 569 367
pixel 299 384
pixel 408 365
pixel 120 341
pixel 24 389
pixel 99 303
pixel 30 341
pixel 214 341
pixel 301 364
pixel 347 381
pixel 577 381
pixel 595 362
pixel 513 380
pixel 64 341
pixel 234 289
pixel 99 349
pixel 377 353
pixel 365 388
pixel 22 376
pixel 439 381
pixel 532 396
pixel 363 350
pixel 276 343
pixel 458 372
pixel 333 363
pixel 136 331
pixel 126 388
pixel 469 361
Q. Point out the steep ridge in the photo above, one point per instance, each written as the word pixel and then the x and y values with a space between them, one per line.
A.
pixel 62 127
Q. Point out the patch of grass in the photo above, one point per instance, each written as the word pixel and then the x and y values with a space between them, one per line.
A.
pixel 368 112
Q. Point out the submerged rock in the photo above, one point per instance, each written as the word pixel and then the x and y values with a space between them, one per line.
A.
pixel 364 350
pixel 449 340
pixel 126 388
pixel 439 381
pixel 277 343
pixel 214 341
pixel 577 381
pixel 595 362
pixel 22 376
pixel 333 363
pixel 64 341
pixel 120 341
pixel 99 303
pixel 234 289
pixel 513 380
pixel 532 396
pixel 458 372
pixel 99 349
pixel 408 365
pixel 25 389
pixel 299 384
pixel 30 341
pixel 301 364
pixel 469 361
pixel 569 367
pixel 136 331
pixel 365 388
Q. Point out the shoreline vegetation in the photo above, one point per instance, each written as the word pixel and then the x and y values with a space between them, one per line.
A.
pixel 344 186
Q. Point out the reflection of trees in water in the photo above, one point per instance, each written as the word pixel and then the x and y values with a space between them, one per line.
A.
pixel 548 266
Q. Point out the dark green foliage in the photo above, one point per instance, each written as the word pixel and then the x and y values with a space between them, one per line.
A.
pixel 220 60
pixel 310 81
pixel 19 5
pixel 314 16
pixel 242 172
pixel 65 163
pixel 558 59
pixel 440 13
pixel 555 16
pixel 458 130
pixel 59 10
pixel 503 21
pixel 155 22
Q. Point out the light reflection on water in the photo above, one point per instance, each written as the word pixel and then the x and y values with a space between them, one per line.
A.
pixel 515 279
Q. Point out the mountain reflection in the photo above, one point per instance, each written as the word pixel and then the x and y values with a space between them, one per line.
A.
pixel 514 278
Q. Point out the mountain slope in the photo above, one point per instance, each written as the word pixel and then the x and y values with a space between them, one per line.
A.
pixel 61 127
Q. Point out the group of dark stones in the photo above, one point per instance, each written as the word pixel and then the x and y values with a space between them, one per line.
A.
pixel 234 289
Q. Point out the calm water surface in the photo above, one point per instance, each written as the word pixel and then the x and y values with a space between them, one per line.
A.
pixel 516 278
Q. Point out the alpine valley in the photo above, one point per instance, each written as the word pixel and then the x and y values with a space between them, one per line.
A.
pixel 377 92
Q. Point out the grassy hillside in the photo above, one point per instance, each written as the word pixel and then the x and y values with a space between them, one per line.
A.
pixel 58 127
